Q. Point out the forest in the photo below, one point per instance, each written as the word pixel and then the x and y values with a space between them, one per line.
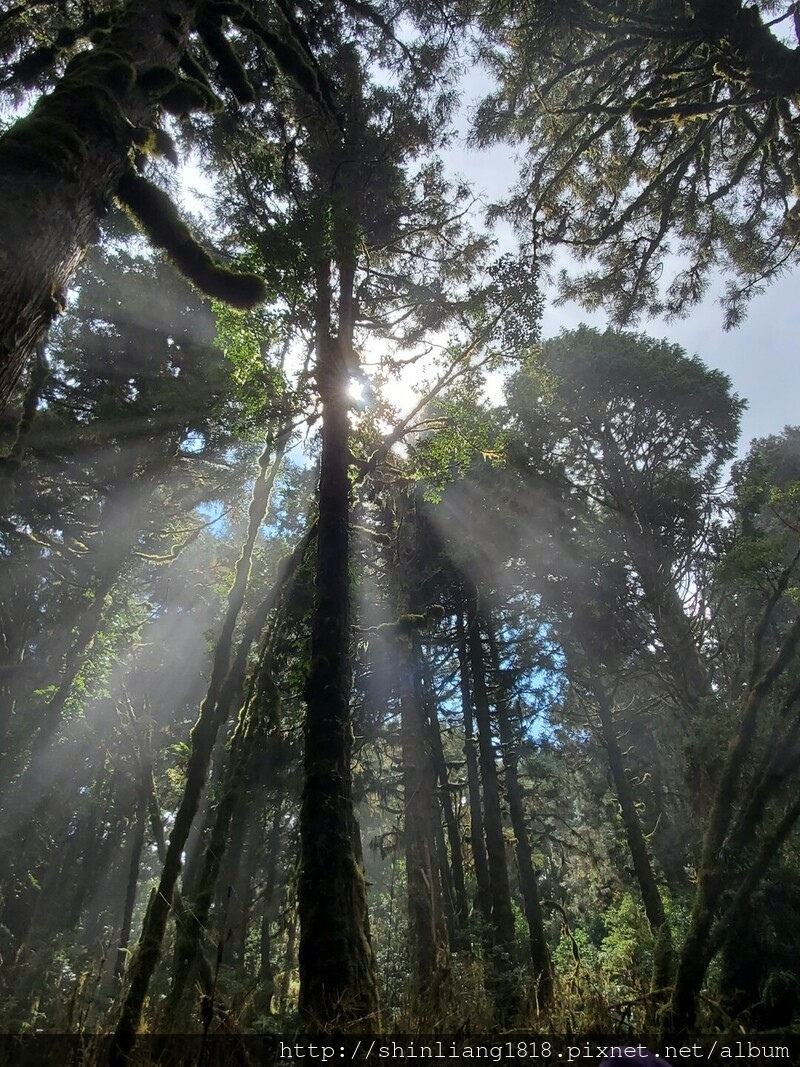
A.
pixel 371 663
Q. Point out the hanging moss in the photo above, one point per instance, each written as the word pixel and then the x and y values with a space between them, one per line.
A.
pixel 155 143
pixel 156 79
pixel 191 68
pixel 292 62
pixel 165 147
pixel 404 624
pixel 189 95
pixel 229 67
pixel 159 218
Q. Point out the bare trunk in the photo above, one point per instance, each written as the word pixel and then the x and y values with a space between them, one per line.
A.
pixel 137 844
pixel 459 889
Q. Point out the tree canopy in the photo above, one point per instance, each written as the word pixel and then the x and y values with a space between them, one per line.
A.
pixel 660 144
pixel 336 698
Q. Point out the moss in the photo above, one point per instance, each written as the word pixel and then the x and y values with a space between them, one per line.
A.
pixel 159 218
pixel 190 95
pixel 156 79
pixel 165 147
pixel 155 143
pixel 373 535
pixel 191 68
pixel 101 68
pixel 404 624
pixel 143 137
pixel 229 67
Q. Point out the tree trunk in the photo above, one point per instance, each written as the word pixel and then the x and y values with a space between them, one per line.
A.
pixel 337 978
pixel 483 896
pixel 266 971
pixel 726 841
pixel 288 963
pixel 461 907
pixel 195 911
pixel 60 167
pixel 427 938
pixel 224 687
pixel 504 940
pixel 426 934
pixel 540 952
pixel 137 844
pixel 663 962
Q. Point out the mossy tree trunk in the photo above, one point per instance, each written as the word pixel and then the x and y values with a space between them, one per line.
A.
pixel 337 977
pixel 288 956
pixel 60 167
pixel 253 724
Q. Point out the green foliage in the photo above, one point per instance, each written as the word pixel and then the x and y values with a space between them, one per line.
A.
pixel 646 426
pixel 462 433
pixel 248 339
